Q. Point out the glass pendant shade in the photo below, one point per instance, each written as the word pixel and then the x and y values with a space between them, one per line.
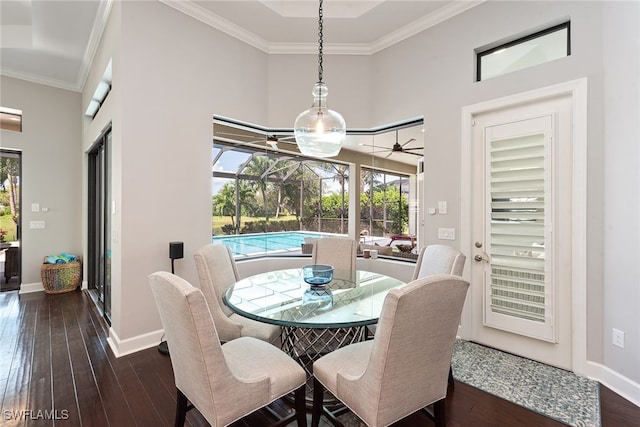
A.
pixel 319 131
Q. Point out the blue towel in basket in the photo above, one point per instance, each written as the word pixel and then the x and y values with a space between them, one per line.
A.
pixel 63 258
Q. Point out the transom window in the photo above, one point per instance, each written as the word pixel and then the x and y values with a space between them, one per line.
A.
pixel 533 49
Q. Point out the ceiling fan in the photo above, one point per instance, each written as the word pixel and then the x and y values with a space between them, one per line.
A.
pixel 399 148
pixel 269 140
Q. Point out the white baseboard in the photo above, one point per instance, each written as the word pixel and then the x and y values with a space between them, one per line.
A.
pixel 31 287
pixel 132 345
pixel 621 385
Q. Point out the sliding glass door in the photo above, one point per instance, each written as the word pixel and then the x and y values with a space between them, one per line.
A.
pixel 99 250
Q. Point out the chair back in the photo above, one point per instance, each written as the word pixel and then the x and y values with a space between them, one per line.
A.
pixel 412 346
pixel 196 353
pixel 338 252
pixel 217 271
pixel 439 259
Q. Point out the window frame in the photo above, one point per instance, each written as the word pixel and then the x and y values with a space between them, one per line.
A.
pixel 481 53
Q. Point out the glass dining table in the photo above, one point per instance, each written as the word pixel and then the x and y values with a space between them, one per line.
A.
pixel 315 320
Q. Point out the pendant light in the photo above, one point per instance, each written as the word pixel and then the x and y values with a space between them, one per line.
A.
pixel 319 131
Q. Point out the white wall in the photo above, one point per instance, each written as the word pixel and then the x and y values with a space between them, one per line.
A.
pixel 51 170
pixel 621 287
pixel 291 79
pixel 174 74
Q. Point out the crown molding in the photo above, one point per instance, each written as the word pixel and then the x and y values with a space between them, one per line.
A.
pixel 201 14
pixel 60 84
pixel 424 23
pixel 99 24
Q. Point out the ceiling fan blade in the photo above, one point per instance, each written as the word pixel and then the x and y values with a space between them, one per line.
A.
pixel 238 135
pixel 415 154
pixel 415 148
pixel 408 142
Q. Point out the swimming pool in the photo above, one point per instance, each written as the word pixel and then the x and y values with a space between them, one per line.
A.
pixel 266 243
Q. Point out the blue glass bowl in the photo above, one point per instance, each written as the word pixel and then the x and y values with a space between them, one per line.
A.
pixel 317 274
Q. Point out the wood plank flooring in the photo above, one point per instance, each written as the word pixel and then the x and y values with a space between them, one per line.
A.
pixel 55 363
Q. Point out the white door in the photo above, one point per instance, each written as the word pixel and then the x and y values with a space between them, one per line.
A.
pixel 521 201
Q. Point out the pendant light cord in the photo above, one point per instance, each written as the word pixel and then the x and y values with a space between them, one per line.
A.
pixel 320 16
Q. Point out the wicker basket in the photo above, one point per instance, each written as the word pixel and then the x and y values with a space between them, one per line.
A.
pixel 59 278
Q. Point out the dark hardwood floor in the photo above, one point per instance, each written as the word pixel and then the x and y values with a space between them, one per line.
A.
pixel 55 361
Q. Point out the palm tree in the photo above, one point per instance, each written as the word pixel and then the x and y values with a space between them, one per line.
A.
pixel 224 203
pixel 227 202
pixel 257 167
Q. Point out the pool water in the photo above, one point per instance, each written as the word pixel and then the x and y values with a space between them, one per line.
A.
pixel 256 244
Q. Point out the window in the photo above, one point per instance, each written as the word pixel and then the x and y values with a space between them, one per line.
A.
pixel 10 119
pixel 267 198
pixel 523 52
pixel 384 203
pixel 101 92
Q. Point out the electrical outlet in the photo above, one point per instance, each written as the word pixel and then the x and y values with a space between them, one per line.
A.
pixel 442 208
pixel 447 233
pixel 618 338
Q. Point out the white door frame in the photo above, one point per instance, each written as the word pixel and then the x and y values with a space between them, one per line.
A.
pixel 577 90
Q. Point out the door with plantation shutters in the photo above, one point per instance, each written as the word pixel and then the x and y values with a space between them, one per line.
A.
pixel 521 224
pixel 519 282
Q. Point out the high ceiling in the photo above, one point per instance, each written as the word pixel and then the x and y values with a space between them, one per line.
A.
pixel 53 41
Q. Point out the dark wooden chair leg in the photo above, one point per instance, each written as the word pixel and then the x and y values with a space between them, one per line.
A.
pixel 318 396
pixel 439 413
pixel 181 409
pixel 451 381
pixel 301 406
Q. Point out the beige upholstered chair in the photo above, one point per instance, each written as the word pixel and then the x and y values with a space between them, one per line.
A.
pixel 217 271
pixel 224 382
pixel 404 368
pixel 439 259
pixel 338 252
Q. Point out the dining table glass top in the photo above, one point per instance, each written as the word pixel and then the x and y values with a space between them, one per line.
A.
pixel 352 298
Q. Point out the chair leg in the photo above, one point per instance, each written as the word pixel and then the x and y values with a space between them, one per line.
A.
pixel 318 396
pixel 181 409
pixel 451 381
pixel 301 406
pixel 439 413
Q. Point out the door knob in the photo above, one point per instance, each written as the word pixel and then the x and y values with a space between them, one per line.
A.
pixel 478 258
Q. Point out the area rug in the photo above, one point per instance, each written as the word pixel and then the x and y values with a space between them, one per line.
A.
pixel 553 392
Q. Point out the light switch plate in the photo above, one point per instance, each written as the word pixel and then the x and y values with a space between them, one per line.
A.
pixel 36 224
pixel 447 233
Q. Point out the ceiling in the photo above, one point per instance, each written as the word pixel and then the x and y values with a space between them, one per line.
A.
pixel 53 41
